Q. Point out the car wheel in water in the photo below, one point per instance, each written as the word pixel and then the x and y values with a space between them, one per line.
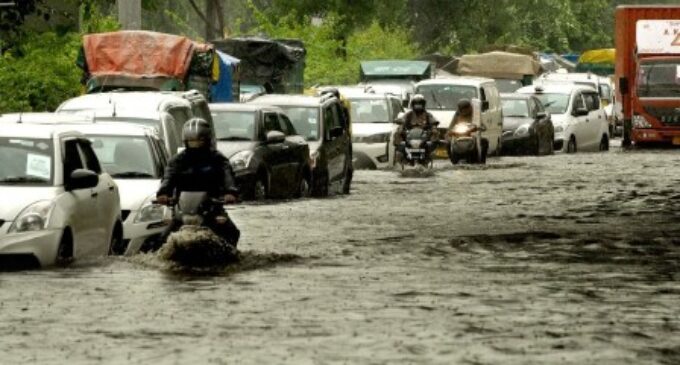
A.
pixel 571 146
pixel 65 249
pixel 304 189
pixel 260 188
pixel 321 185
pixel 604 143
pixel 117 245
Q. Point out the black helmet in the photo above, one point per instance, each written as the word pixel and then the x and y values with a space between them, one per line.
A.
pixel 330 90
pixel 418 99
pixel 196 128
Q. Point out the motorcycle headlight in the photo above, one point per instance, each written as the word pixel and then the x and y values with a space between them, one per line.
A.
pixel 34 218
pixel 241 160
pixel 461 129
pixel 376 138
pixel 150 212
pixel 523 130
pixel 415 143
pixel 640 122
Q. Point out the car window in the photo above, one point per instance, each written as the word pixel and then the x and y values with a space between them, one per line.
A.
pixel 605 91
pixel 578 102
pixel 27 159
pixel 232 125
pixel 305 120
pixel 369 111
pixel 88 156
pixel 72 160
pixel 515 108
pixel 482 94
pixel 592 101
pixel 271 123
pixel 125 156
pixel 396 107
pixel 286 125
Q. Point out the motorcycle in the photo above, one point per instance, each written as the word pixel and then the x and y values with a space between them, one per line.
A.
pixel 465 142
pixel 195 244
pixel 417 148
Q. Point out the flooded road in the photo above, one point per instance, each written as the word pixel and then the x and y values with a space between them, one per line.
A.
pixel 568 258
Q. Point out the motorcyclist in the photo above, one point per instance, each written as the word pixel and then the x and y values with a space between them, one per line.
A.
pixel 200 168
pixel 417 117
pixel 463 115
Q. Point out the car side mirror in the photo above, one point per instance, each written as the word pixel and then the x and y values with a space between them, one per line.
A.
pixel 275 137
pixel 579 112
pixel 485 105
pixel 336 132
pixel 82 179
pixel 541 115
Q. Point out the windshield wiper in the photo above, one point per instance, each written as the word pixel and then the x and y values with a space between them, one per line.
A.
pixel 545 105
pixel 23 179
pixel 132 174
pixel 517 116
pixel 234 138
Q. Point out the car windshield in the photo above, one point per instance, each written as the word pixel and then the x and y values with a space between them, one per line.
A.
pixel 515 108
pixel 152 123
pixel 125 157
pixel 251 89
pixel 369 111
pixel 305 120
pixel 234 125
pixel 554 103
pixel 659 79
pixel 507 85
pixel 446 97
pixel 26 161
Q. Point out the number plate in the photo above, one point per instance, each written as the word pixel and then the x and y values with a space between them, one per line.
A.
pixel 416 150
pixel 676 141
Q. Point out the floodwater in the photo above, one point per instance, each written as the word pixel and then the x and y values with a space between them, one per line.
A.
pixel 570 259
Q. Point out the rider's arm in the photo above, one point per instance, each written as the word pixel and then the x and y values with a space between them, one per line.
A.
pixel 229 182
pixel 169 181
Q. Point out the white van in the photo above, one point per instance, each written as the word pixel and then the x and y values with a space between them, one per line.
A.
pixel 443 94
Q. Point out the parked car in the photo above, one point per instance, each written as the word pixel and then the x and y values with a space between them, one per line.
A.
pixel 372 116
pixel 442 96
pixel 269 158
pixel 57 202
pixel 165 111
pixel 527 127
pixel 319 121
pixel 580 124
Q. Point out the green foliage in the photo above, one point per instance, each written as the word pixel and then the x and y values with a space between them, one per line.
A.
pixel 39 73
pixel 331 60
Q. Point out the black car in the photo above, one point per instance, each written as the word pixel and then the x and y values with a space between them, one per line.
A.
pixel 527 128
pixel 319 120
pixel 269 158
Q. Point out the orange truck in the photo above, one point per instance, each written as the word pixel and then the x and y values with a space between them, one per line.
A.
pixel 648 73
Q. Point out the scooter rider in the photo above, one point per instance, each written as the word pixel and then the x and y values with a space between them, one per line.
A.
pixel 417 117
pixel 464 112
pixel 200 168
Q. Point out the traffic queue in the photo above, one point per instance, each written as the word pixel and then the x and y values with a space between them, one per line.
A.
pixel 84 180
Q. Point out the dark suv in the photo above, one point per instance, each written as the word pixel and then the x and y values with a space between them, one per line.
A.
pixel 319 120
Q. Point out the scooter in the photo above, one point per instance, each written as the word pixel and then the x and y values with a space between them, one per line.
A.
pixel 465 142
pixel 417 148
pixel 195 245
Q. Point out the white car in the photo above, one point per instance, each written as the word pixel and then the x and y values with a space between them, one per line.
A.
pixel 580 124
pixel 57 203
pixel 136 158
pixel 372 117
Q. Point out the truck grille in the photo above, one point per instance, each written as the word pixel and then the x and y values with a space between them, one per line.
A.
pixel 669 116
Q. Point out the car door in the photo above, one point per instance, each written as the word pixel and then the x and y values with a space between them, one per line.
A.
pixel 334 145
pixel 595 119
pixel 83 214
pixel 105 196
pixel 296 153
pixel 580 127
pixel 274 156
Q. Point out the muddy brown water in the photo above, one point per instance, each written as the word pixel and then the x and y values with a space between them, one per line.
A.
pixel 560 259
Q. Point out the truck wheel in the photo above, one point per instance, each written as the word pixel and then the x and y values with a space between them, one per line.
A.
pixel 571 146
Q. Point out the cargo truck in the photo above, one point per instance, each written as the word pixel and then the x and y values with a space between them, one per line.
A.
pixel 648 73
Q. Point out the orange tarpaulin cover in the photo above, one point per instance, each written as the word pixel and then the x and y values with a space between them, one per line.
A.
pixel 138 54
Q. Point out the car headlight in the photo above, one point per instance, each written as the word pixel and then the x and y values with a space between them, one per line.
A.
pixel 640 122
pixel 523 130
pixel 150 212
pixel 559 129
pixel 376 138
pixel 241 160
pixel 34 218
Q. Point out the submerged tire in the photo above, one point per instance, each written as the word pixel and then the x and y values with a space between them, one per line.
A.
pixel 604 143
pixel 571 145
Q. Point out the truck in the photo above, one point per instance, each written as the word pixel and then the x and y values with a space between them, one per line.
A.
pixel 648 73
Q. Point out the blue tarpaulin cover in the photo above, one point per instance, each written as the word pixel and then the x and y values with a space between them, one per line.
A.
pixel 223 91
